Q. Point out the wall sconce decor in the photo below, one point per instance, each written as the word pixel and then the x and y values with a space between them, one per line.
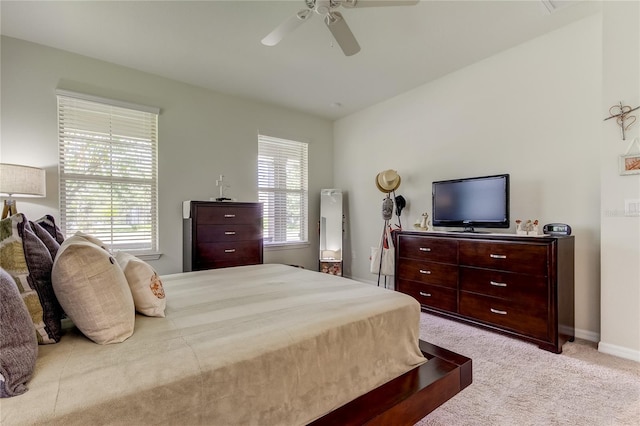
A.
pixel 622 114
pixel 630 160
pixel 20 181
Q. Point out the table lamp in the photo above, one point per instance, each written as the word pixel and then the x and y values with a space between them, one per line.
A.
pixel 20 181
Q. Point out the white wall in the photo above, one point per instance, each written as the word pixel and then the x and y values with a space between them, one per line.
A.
pixel 620 334
pixel 202 134
pixel 532 111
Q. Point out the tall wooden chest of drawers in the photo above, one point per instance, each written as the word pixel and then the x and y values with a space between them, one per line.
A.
pixel 221 234
pixel 521 286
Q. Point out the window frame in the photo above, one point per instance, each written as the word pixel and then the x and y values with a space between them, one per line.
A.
pixel 276 223
pixel 146 138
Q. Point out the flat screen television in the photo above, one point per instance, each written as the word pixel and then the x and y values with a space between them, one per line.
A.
pixel 476 202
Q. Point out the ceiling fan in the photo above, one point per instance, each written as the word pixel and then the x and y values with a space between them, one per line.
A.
pixel 332 19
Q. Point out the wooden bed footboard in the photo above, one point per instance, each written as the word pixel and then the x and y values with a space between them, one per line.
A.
pixel 407 398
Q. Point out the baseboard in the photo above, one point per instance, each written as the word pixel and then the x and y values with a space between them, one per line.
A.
pixel 389 284
pixel 619 351
pixel 591 336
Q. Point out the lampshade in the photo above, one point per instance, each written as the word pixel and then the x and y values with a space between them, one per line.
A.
pixel 21 181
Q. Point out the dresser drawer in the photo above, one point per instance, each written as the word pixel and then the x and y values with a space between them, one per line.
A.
pixel 225 233
pixel 514 257
pixel 427 248
pixel 429 273
pixel 234 253
pixel 221 263
pixel 429 295
pixel 505 285
pixel 524 318
pixel 228 215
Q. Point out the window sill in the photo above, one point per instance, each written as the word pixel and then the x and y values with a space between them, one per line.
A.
pixel 146 256
pixel 289 246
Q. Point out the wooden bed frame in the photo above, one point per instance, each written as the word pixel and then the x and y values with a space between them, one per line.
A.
pixel 407 398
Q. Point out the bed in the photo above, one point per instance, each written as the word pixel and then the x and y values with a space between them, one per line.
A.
pixel 261 344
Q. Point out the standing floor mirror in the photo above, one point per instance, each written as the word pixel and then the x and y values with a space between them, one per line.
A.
pixel 331 222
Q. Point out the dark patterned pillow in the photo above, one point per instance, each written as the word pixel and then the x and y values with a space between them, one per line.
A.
pixel 13 259
pixel 18 345
pixel 49 224
pixel 40 264
pixel 52 245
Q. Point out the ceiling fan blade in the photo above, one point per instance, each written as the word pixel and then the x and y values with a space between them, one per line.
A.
pixel 377 3
pixel 276 36
pixel 342 33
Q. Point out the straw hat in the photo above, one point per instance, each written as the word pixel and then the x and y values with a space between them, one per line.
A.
pixel 388 181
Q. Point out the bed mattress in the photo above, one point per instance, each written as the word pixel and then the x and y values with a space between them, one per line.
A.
pixel 261 344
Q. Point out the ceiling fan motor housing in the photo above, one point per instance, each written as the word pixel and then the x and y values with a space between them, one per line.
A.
pixel 323 7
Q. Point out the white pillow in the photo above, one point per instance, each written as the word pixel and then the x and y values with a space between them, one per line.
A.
pixel 93 291
pixel 145 285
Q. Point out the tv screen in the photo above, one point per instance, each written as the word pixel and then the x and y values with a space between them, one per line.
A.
pixel 481 202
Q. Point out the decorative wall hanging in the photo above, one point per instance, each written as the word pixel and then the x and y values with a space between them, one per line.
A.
pixel 623 117
pixel 630 160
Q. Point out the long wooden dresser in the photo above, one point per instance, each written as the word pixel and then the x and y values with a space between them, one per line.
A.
pixel 518 285
pixel 221 234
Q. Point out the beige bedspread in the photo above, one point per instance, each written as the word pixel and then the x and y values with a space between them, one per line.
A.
pixel 261 345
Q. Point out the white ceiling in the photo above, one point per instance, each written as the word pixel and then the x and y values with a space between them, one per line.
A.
pixel 216 44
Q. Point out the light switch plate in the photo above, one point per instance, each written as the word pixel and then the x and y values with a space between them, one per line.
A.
pixel 632 207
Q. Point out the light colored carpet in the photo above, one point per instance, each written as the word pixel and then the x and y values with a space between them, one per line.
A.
pixel 516 383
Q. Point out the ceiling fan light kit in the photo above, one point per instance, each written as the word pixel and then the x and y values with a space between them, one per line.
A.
pixel 333 19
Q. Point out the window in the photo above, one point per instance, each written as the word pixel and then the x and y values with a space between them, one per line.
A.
pixel 109 171
pixel 282 188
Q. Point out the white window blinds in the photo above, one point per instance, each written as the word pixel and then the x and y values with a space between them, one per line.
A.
pixel 283 189
pixel 109 171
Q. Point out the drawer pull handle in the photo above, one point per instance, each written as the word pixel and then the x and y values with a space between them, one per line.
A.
pixel 497 284
pixel 498 256
pixel 495 311
pixel 422 293
pixel 230 250
pixel 422 271
pixel 425 249
pixel 230 233
pixel 229 215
